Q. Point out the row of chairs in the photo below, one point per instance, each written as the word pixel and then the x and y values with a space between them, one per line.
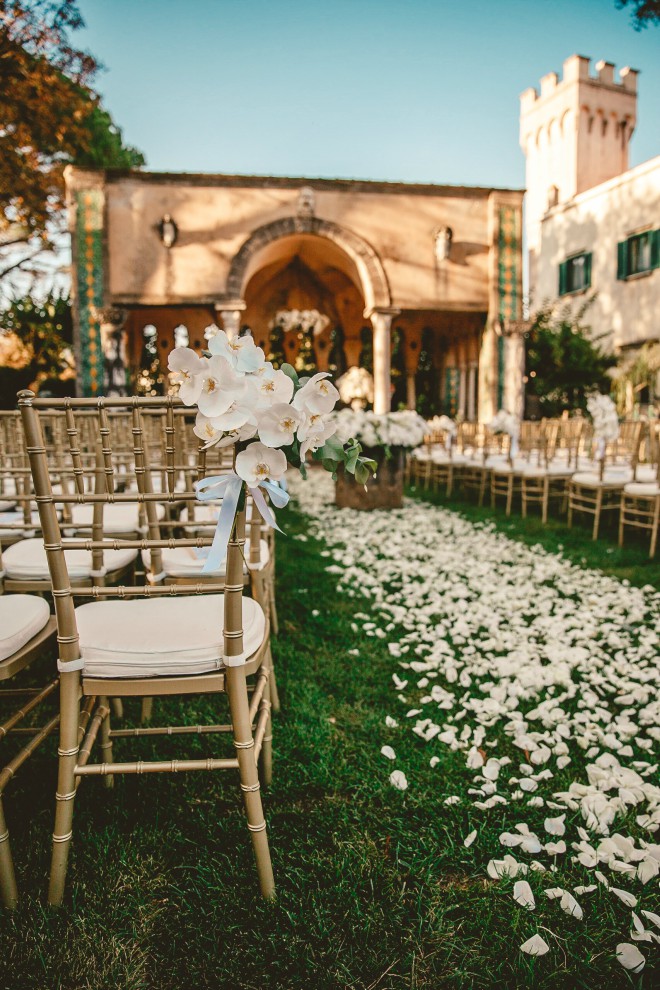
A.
pixel 556 466
pixel 100 519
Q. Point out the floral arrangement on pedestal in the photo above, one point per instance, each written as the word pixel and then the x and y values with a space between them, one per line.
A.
pixel 356 388
pixel 385 437
pixel 300 320
pixel 385 430
pixel 506 422
pixel 272 417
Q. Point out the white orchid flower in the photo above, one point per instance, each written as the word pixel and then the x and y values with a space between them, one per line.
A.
pixel 270 386
pixel 277 426
pixel 317 395
pixel 259 463
pixel 187 369
pixel 316 439
pixel 241 352
pixel 215 433
pixel 219 388
pixel 236 416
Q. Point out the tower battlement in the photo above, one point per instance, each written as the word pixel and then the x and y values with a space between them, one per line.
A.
pixel 576 69
pixel 575 132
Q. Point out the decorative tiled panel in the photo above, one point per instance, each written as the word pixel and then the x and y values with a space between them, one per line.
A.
pixel 89 235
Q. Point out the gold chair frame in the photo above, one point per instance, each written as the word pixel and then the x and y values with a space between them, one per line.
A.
pixel 250 718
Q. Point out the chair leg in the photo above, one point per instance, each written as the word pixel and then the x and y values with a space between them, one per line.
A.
pixel 656 525
pixel 545 501
pixel 274 621
pixel 267 745
pixel 599 503
pixel 236 686
pixel 622 516
pixel 66 785
pixel 8 890
pixel 509 495
pixel 570 511
pixel 106 743
pixel 117 708
pixel 274 693
pixel 147 710
pixel 523 500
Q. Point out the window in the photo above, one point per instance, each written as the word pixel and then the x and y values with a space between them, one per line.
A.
pixel 575 273
pixel 638 254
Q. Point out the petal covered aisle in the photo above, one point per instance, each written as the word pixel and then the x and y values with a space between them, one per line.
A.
pixel 543 679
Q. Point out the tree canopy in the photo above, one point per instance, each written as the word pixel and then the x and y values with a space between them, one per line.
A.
pixel 564 364
pixel 51 116
pixel 643 12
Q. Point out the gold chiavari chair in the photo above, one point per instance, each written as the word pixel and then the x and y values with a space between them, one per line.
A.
pixel 596 492
pixel 178 640
pixel 27 632
pixel 640 501
pixel 546 481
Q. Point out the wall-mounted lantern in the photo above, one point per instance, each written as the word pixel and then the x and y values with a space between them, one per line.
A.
pixel 168 231
pixel 443 240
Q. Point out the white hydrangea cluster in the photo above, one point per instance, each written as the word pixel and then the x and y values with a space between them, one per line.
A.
pixel 396 429
pixel 505 422
pixel 605 419
pixel 241 396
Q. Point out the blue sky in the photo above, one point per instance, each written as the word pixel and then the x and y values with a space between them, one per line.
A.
pixel 412 90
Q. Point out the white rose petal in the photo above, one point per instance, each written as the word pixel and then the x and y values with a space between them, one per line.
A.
pixel 535 946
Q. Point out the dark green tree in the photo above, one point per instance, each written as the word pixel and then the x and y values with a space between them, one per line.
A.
pixel 643 12
pixel 564 362
pixel 51 116
pixel 36 346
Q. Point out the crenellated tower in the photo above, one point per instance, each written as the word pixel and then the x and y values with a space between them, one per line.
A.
pixel 575 134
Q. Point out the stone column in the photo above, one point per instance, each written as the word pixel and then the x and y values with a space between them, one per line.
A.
pixel 230 314
pixel 411 391
pixel 488 373
pixel 113 344
pixel 514 366
pixel 381 320
pixel 472 393
pixel 462 391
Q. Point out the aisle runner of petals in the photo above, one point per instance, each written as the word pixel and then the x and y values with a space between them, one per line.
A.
pixel 523 662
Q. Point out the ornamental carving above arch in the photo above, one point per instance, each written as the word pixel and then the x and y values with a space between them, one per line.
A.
pixel 370 269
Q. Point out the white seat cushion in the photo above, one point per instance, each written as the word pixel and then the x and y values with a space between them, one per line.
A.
pixel 184 562
pixel 613 476
pixel 21 618
pixel 26 561
pixel 158 637
pixel 556 470
pixel 120 517
pixel 648 488
pixel 647 473
pixel 6 506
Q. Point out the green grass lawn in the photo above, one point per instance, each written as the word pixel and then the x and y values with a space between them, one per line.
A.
pixel 375 887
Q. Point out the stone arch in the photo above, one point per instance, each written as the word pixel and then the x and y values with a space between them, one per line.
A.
pixel 374 284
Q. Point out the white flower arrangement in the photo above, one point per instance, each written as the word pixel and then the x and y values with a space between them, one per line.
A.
pixel 356 387
pixel 396 429
pixel 302 320
pixel 442 424
pixel 505 422
pixel 274 419
pixel 605 419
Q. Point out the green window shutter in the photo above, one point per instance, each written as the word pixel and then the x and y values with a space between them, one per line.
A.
pixel 587 270
pixel 563 268
pixel 655 249
pixel 622 259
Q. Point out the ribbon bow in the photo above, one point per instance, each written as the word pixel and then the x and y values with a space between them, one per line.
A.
pixel 228 488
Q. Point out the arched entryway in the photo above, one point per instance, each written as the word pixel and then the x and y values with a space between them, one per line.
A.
pixel 306 263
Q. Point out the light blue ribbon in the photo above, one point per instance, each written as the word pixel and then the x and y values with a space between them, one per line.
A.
pixel 228 488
